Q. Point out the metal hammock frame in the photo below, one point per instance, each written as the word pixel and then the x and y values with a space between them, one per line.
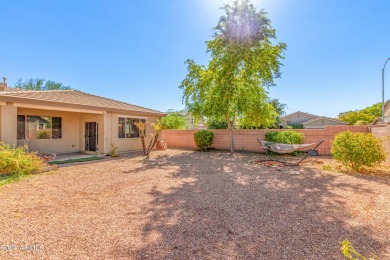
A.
pixel 275 147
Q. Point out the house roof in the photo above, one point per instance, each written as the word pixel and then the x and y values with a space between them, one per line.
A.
pixel 298 112
pixel 73 98
pixel 315 117
pixel 324 117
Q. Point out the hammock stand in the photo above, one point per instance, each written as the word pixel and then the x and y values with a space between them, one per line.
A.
pixel 286 148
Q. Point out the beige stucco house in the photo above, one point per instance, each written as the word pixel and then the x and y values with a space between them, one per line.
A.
pixel 308 121
pixel 378 121
pixel 65 121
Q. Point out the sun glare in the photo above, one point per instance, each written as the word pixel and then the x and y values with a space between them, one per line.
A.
pixel 212 7
pixel 216 4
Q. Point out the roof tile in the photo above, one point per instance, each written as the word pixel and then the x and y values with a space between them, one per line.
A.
pixel 75 97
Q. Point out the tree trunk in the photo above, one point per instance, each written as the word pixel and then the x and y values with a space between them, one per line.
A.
pixel 155 142
pixel 231 140
pixel 143 144
pixel 152 144
pixel 230 126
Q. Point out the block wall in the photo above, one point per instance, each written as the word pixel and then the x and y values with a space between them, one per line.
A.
pixel 246 140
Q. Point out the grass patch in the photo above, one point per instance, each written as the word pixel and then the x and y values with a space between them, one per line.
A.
pixel 10 178
pixel 86 159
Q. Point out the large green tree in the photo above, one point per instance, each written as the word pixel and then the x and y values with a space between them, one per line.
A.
pixel 244 62
pixel 40 84
pixel 363 116
pixel 279 109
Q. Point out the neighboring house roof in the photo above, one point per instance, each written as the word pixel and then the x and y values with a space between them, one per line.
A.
pixel 324 117
pixel 298 112
pixel 314 118
pixel 72 98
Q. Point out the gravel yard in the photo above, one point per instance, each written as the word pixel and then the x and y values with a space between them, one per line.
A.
pixel 193 205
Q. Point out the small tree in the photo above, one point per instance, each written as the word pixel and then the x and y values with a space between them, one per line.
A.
pixel 141 126
pixel 358 150
pixel 153 141
pixel 244 62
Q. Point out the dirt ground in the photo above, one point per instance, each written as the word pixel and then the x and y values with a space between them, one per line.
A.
pixel 192 205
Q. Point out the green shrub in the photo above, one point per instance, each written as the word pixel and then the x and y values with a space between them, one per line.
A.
pixel 174 121
pixel 18 160
pixel 203 139
pixel 114 152
pixel 284 137
pixel 358 150
pixel 350 253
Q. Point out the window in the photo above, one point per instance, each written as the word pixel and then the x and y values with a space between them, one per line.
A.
pixel 21 132
pixel 121 128
pixel 127 127
pixel 56 132
pixel 39 127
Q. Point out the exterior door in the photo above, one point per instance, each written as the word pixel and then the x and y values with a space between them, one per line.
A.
pixel 91 136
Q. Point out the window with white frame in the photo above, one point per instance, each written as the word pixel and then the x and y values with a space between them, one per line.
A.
pixel 127 127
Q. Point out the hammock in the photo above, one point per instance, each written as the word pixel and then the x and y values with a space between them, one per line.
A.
pixel 286 148
pixel 283 148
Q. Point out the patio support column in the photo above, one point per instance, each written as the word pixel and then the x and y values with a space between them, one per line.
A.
pixel 107 132
pixel 8 124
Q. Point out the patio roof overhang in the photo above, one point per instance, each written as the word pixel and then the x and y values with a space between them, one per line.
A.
pixel 58 108
pixel 67 107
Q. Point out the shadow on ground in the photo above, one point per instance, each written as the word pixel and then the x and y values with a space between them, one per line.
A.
pixel 227 208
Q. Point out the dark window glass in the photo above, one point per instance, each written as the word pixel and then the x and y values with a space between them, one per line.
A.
pixel 121 128
pixel 21 130
pixel 56 128
pixel 127 127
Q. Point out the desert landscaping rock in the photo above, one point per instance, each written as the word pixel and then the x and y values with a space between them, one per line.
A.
pixel 194 205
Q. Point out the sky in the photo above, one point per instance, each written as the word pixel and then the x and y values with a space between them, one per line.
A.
pixel 134 51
